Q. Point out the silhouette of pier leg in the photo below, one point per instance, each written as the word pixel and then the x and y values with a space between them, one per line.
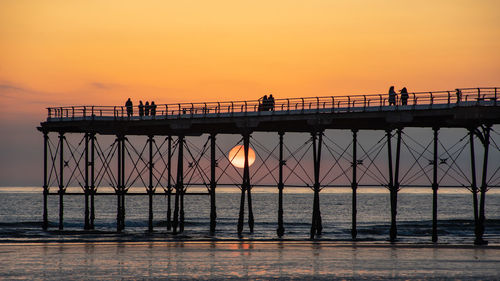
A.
pixel 474 188
pixel 181 195
pixel 435 187
pixel 250 209
pixel 242 210
pixel 92 180
pixel 45 224
pixel 393 193
pixel 249 189
pixel 396 182
pixel 150 187
pixel 179 183
pixel 484 187
pixel 119 184
pixel 281 229
pixel 169 184
pixel 181 210
pixel 86 187
pixel 123 191
pixel 61 179
pixel 354 184
pixel 316 226
pixel 245 186
pixel 213 185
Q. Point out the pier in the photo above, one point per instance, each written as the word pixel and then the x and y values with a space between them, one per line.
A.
pixel 165 159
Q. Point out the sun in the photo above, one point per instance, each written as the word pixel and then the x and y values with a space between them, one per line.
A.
pixel 237 156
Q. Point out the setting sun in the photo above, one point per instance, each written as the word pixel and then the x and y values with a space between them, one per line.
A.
pixel 237 156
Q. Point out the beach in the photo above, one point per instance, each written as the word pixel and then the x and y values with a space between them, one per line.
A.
pixel 246 260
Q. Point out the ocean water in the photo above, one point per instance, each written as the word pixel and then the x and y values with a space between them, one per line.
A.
pixel 21 216
pixel 28 252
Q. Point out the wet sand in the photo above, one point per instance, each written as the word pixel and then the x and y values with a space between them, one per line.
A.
pixel 242 260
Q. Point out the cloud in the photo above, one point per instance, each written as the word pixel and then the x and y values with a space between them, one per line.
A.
pixel 5 86
pixel 102 86
pixel 13 90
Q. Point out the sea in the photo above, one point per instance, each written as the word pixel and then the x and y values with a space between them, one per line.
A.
pixel 28 252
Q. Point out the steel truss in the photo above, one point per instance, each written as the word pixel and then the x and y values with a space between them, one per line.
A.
pixel 89 163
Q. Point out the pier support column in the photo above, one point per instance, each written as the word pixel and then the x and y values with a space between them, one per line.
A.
pixel 393 181
pixel 393 192
pixel 474 188
pixel 61 181
pixel 281 229
pixel 394 211
pixel 120 190
pixel 435 187
pixel 484 188
pixel 86 187
pixel 354 183
pixel 123 190
pixel 179 186
pixel 245 187
pixel 151 190
pixel 213 185
pixel 249 198
pixel 316 226
pixel 119 184
pixel 169 184
pixel 92 180
pixel 181 198
pixel 45 224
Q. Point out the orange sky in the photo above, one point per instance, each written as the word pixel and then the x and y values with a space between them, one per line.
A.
pixel 101 52
pixel 60 52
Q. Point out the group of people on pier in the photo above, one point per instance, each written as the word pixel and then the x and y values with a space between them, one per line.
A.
pixel 393 96
pixel 144 109
pixel 266 103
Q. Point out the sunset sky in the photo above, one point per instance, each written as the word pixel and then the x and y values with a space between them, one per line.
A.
pixel 102 52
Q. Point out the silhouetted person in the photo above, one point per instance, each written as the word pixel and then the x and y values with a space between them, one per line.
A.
pixel 141 109
pixel 146 108
pixel 459 95
pixel 271 102
pixel 392 96
pixel 263 104
pixel 404 96
pixel 153 108
pixel 129 106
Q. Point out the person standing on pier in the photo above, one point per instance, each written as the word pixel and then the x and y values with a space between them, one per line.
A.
pixel 458 92
pixel 141 108
pixel 153 108
pixel 146 108
pixel 392 96
pixel 263 104
pixel 404 96
pixel 271 102
pixel 129 106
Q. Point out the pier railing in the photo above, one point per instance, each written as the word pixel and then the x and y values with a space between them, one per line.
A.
pixel 325 104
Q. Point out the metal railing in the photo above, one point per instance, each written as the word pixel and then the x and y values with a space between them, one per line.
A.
pixel 328 104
